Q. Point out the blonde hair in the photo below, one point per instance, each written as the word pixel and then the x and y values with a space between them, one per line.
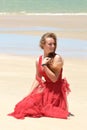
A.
pixel 48 35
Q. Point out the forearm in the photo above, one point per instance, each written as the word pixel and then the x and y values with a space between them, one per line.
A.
pixel 34 84
pixel 52 76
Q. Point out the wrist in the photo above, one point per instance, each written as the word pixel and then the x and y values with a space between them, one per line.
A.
pixel 44 64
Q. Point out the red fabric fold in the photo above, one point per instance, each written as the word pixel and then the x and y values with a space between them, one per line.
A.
pixel 51 101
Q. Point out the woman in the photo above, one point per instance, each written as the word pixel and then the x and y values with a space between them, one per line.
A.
pixel 49 95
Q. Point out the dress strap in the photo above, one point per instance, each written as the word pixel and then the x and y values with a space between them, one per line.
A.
pixel 40 60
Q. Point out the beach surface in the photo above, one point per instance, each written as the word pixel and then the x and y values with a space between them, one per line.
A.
pixel 17 74
pixel 67 26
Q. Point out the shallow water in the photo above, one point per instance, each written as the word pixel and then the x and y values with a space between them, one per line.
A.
pixel 19 44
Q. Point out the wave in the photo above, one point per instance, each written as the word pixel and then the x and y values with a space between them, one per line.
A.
pixel 25 13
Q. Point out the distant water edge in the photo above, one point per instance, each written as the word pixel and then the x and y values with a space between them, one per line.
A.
pixel 25 13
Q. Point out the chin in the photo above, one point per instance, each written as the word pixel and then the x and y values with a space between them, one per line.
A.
pixel 52 51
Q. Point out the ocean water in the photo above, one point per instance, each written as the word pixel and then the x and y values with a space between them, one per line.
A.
pixel 18 44
pixel 43 6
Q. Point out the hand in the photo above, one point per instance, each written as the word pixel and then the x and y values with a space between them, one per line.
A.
pixel 46 60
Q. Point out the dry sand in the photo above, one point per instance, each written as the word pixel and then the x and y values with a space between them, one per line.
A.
pixel 17 74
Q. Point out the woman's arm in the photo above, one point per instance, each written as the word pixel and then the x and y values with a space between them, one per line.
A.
pixel 36 82
pixel 54 70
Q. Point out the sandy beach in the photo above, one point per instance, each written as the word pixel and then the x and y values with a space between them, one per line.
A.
pixel 17 74
pixel 70 26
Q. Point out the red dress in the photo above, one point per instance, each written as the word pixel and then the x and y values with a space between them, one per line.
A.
pixel 48 99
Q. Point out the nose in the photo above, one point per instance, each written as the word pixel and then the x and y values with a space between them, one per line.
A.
pixel 53 45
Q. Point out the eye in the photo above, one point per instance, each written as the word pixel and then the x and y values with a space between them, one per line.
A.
pixel 51 44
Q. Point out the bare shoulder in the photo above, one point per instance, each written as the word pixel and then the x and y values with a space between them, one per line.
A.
pixel 58 59
pixel 37 60
pixel 57 63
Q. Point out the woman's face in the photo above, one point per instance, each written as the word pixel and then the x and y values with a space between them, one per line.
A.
pixel 49 46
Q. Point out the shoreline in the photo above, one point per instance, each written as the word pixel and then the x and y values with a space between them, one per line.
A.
pixel 26 13
pixel 71 26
